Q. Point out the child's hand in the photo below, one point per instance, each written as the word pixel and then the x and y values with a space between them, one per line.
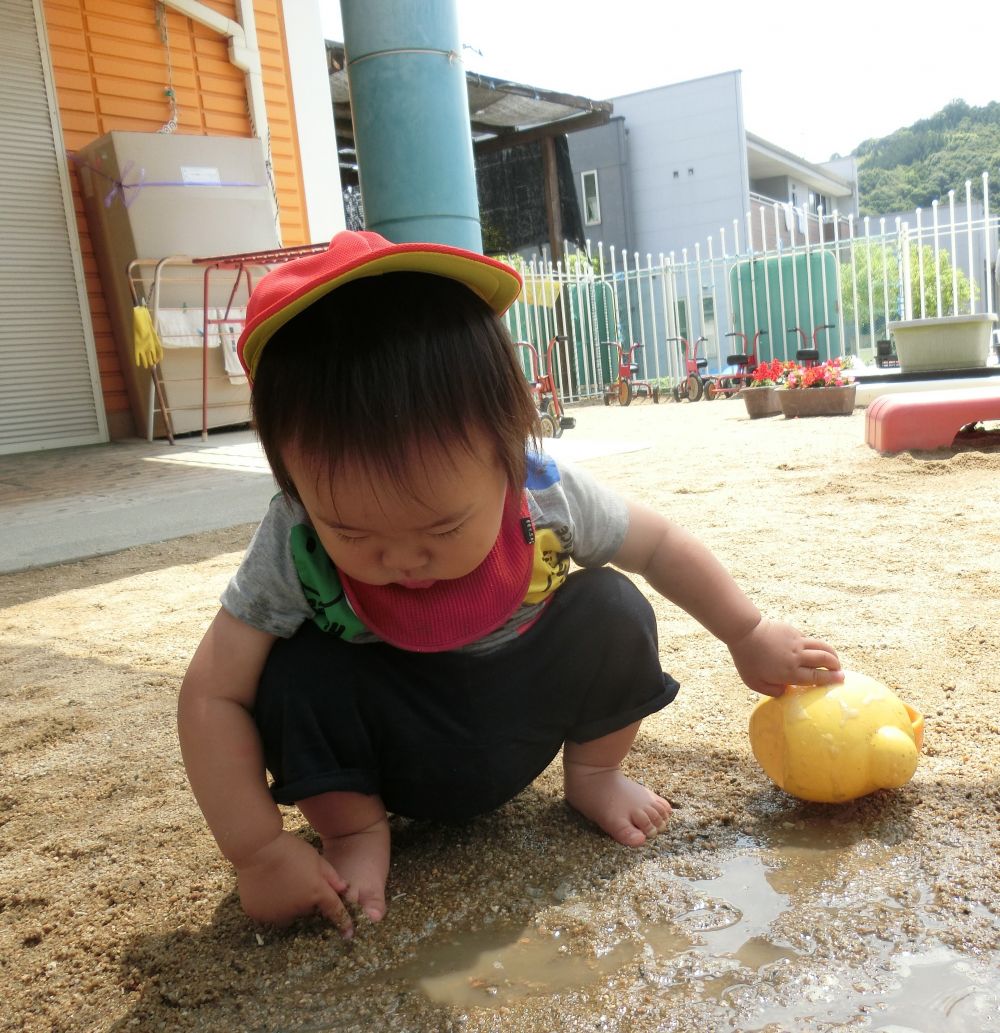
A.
pixel 287 878
pixel 774 655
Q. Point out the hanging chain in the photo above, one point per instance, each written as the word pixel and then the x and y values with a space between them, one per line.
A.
pixel 168 90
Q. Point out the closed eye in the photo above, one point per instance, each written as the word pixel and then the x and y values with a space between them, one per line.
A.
pixel 449 532
pixel 351 539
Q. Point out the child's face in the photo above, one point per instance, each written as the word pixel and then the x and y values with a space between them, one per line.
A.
pixel 440 527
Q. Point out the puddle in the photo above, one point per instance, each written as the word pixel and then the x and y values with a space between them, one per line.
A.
pixel 938 991
pixel 464 971
pixel 942 992
pixel 808 930
pixel 749 902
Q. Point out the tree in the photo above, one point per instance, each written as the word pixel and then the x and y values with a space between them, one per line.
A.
pixel 884 269
pixel 916 164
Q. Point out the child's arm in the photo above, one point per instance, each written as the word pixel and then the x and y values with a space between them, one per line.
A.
pixel 280 875
pixel 767 654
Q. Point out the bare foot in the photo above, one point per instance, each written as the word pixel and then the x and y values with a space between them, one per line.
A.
pixel 628 812
pixel 362 861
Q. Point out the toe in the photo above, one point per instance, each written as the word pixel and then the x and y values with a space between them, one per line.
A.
pixel 373 905
pixel 629 835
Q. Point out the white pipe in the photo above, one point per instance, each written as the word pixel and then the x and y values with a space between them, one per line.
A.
pixel 243 54
pixel 986 241
pixel 699 283
pixel 767 282
pixel 904 250
pixel 937 257
pixel 854 285
pixel 781 287
pixel 954 256
pixel 920 262
pixel 968 239
pixel 652 317
pixel 838 280
pixel 739 283
pixel 871 288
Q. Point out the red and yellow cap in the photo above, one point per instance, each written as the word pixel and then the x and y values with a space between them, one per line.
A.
pixel 288 289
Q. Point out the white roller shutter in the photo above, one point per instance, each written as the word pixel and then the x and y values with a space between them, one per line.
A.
pixel 49 382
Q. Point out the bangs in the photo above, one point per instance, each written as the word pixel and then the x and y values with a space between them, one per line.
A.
pixel 383 368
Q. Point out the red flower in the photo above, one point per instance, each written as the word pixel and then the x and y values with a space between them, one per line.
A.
pixel 828 374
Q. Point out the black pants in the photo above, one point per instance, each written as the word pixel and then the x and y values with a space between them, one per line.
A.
pixel 450 735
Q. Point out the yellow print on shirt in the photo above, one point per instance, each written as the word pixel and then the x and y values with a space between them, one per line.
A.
pixel 550 567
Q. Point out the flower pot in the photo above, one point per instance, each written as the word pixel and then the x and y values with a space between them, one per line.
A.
pixel 943 342
pixel 817 401
pixel 760 401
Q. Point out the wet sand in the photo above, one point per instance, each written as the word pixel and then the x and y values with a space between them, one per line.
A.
pixel 752 912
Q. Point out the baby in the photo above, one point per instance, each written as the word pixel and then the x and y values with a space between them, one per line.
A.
pixel 404 633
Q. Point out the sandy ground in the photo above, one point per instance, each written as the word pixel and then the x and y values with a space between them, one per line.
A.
pixel 753 912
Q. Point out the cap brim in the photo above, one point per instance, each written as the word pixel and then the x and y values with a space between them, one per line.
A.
pixel 497 284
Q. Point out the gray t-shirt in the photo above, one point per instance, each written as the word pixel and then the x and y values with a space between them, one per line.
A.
pixel 575 518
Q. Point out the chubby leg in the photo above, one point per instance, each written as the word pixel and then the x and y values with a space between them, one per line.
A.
pixel 355 833
pixel 596 787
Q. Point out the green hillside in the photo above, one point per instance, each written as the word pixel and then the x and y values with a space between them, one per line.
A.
pixel 914 165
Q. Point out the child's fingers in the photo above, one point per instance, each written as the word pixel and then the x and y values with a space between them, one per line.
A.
pixel 332 876
pixel 819 654
pixel 768 688
pixel 331 907
pixel 811 677
pixel 813 660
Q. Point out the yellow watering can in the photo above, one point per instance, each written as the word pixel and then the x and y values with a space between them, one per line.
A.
pixel 836 742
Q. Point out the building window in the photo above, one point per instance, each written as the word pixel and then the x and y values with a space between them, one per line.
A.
pixel 591 198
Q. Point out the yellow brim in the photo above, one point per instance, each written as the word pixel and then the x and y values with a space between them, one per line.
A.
pixel 497 287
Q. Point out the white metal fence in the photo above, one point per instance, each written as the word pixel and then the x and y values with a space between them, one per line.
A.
pixel 781 280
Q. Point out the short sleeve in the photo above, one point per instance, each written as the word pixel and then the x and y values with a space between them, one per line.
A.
pixel 265 592
pixel 590 520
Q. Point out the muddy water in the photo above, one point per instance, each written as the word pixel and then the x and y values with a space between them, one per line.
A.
pixel 811 929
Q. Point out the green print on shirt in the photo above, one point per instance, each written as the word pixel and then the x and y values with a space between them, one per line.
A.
pixel 321 585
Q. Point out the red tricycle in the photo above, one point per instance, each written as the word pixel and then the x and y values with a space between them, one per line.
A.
pixel 692 384
pixel 726 385
pixel 806 355
pixel 543 388
pixel 626 384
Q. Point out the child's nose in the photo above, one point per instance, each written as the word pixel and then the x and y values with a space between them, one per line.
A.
pixel 404 556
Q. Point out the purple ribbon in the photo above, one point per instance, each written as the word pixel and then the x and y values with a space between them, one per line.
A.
pixel 130 191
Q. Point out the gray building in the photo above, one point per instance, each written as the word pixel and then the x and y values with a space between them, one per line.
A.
pixel 676 164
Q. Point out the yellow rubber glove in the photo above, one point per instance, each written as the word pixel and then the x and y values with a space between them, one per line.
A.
pixel 145 343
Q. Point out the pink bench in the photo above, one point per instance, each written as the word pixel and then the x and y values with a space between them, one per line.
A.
pixel 927 419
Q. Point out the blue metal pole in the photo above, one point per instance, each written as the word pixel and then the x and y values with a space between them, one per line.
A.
pixel 411 121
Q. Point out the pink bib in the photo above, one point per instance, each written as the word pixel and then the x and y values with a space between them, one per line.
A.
pixel 450 614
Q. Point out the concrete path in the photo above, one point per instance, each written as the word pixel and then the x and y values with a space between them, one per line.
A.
pixel 66 504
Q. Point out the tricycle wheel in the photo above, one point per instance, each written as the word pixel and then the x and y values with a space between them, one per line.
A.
pixel 624 392
pixel 695 388
pixel 675 391
pixel 549 406
pixel 607 396
pixel 550 425
pixel 711 391
pixel 656 395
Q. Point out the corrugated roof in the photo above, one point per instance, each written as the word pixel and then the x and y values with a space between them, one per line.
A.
pixel 497 108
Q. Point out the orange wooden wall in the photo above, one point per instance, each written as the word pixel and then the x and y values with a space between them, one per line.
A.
pixel 110 65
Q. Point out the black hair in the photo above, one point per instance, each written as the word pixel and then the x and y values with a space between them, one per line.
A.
pixel 385 363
